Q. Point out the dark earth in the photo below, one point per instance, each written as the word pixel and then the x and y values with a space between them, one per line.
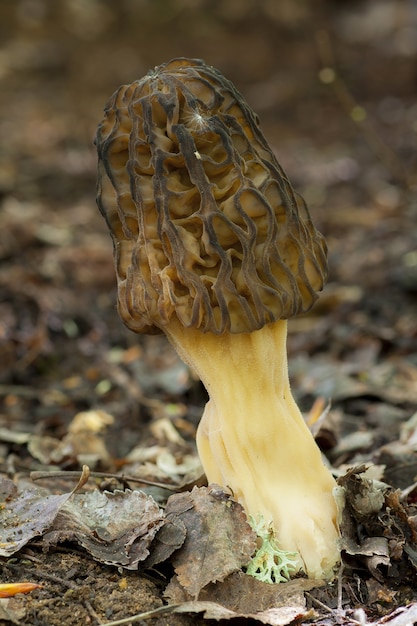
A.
pixel 334 84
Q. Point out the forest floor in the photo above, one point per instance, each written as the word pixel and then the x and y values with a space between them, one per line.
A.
pixel 335 90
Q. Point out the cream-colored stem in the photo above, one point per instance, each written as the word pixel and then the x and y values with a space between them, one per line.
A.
pixel 253 439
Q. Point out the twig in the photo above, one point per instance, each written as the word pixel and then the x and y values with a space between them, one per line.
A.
pixel 18 390
pixel 338 614
pixel 141 616
pixel 340 588
pixel 318 603
pixel 92 612
pixel 43 576
pixel 123 478
pixel 407 491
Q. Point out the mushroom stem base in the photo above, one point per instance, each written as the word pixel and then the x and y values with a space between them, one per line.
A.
pixel 253 439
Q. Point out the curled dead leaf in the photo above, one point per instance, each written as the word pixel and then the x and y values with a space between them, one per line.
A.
pixel 115 528
pixel 26 515
pixel 242 596
pixel 219 538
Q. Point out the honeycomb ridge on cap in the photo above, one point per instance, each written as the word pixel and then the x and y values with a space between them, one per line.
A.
pixel 204 221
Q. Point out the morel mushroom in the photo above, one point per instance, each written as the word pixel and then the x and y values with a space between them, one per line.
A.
pixel 213 248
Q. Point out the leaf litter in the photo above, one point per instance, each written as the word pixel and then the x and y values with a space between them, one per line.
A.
pixel 206 537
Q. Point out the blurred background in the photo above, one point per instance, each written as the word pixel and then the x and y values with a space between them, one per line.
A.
pixel 334 84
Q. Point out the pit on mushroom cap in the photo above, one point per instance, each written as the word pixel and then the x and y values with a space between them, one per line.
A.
pixel 213 247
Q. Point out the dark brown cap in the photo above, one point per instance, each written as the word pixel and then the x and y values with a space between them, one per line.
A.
pixel 205 223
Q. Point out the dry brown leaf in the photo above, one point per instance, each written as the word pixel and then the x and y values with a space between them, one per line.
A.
pixel 390 381
pixel 364 495
pixel 168 539
pixel 377 529
pixel 25 516
pixel 12 611
pixel 115 528
pixel 400 461
pixel 84 441
pixel 243 596
pixel 404 616
pixel 219 539
pixel 282 616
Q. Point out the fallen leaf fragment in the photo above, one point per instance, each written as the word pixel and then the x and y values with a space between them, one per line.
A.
pixel 12 611
pixel 84 441
pixel 379 592
pixel 140 617
pixel 404 616
pixel 242 596
pixel 25 516
pixel 219 538
pixel 7 590
pixel 115 528
pixel 9 436
pixel 282 616
pixel 168 539
pixel 378 528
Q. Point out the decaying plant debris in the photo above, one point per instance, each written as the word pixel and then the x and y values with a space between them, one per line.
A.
pixel 77 390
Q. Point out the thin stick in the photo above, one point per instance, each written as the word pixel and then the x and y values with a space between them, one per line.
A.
pixel 43 575
pixel 71 474
pixel 92 612
pixel 319 603
pixel 146 615
pixel 340 587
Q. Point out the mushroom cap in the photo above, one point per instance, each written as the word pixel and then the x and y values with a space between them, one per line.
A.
pixel 205 224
